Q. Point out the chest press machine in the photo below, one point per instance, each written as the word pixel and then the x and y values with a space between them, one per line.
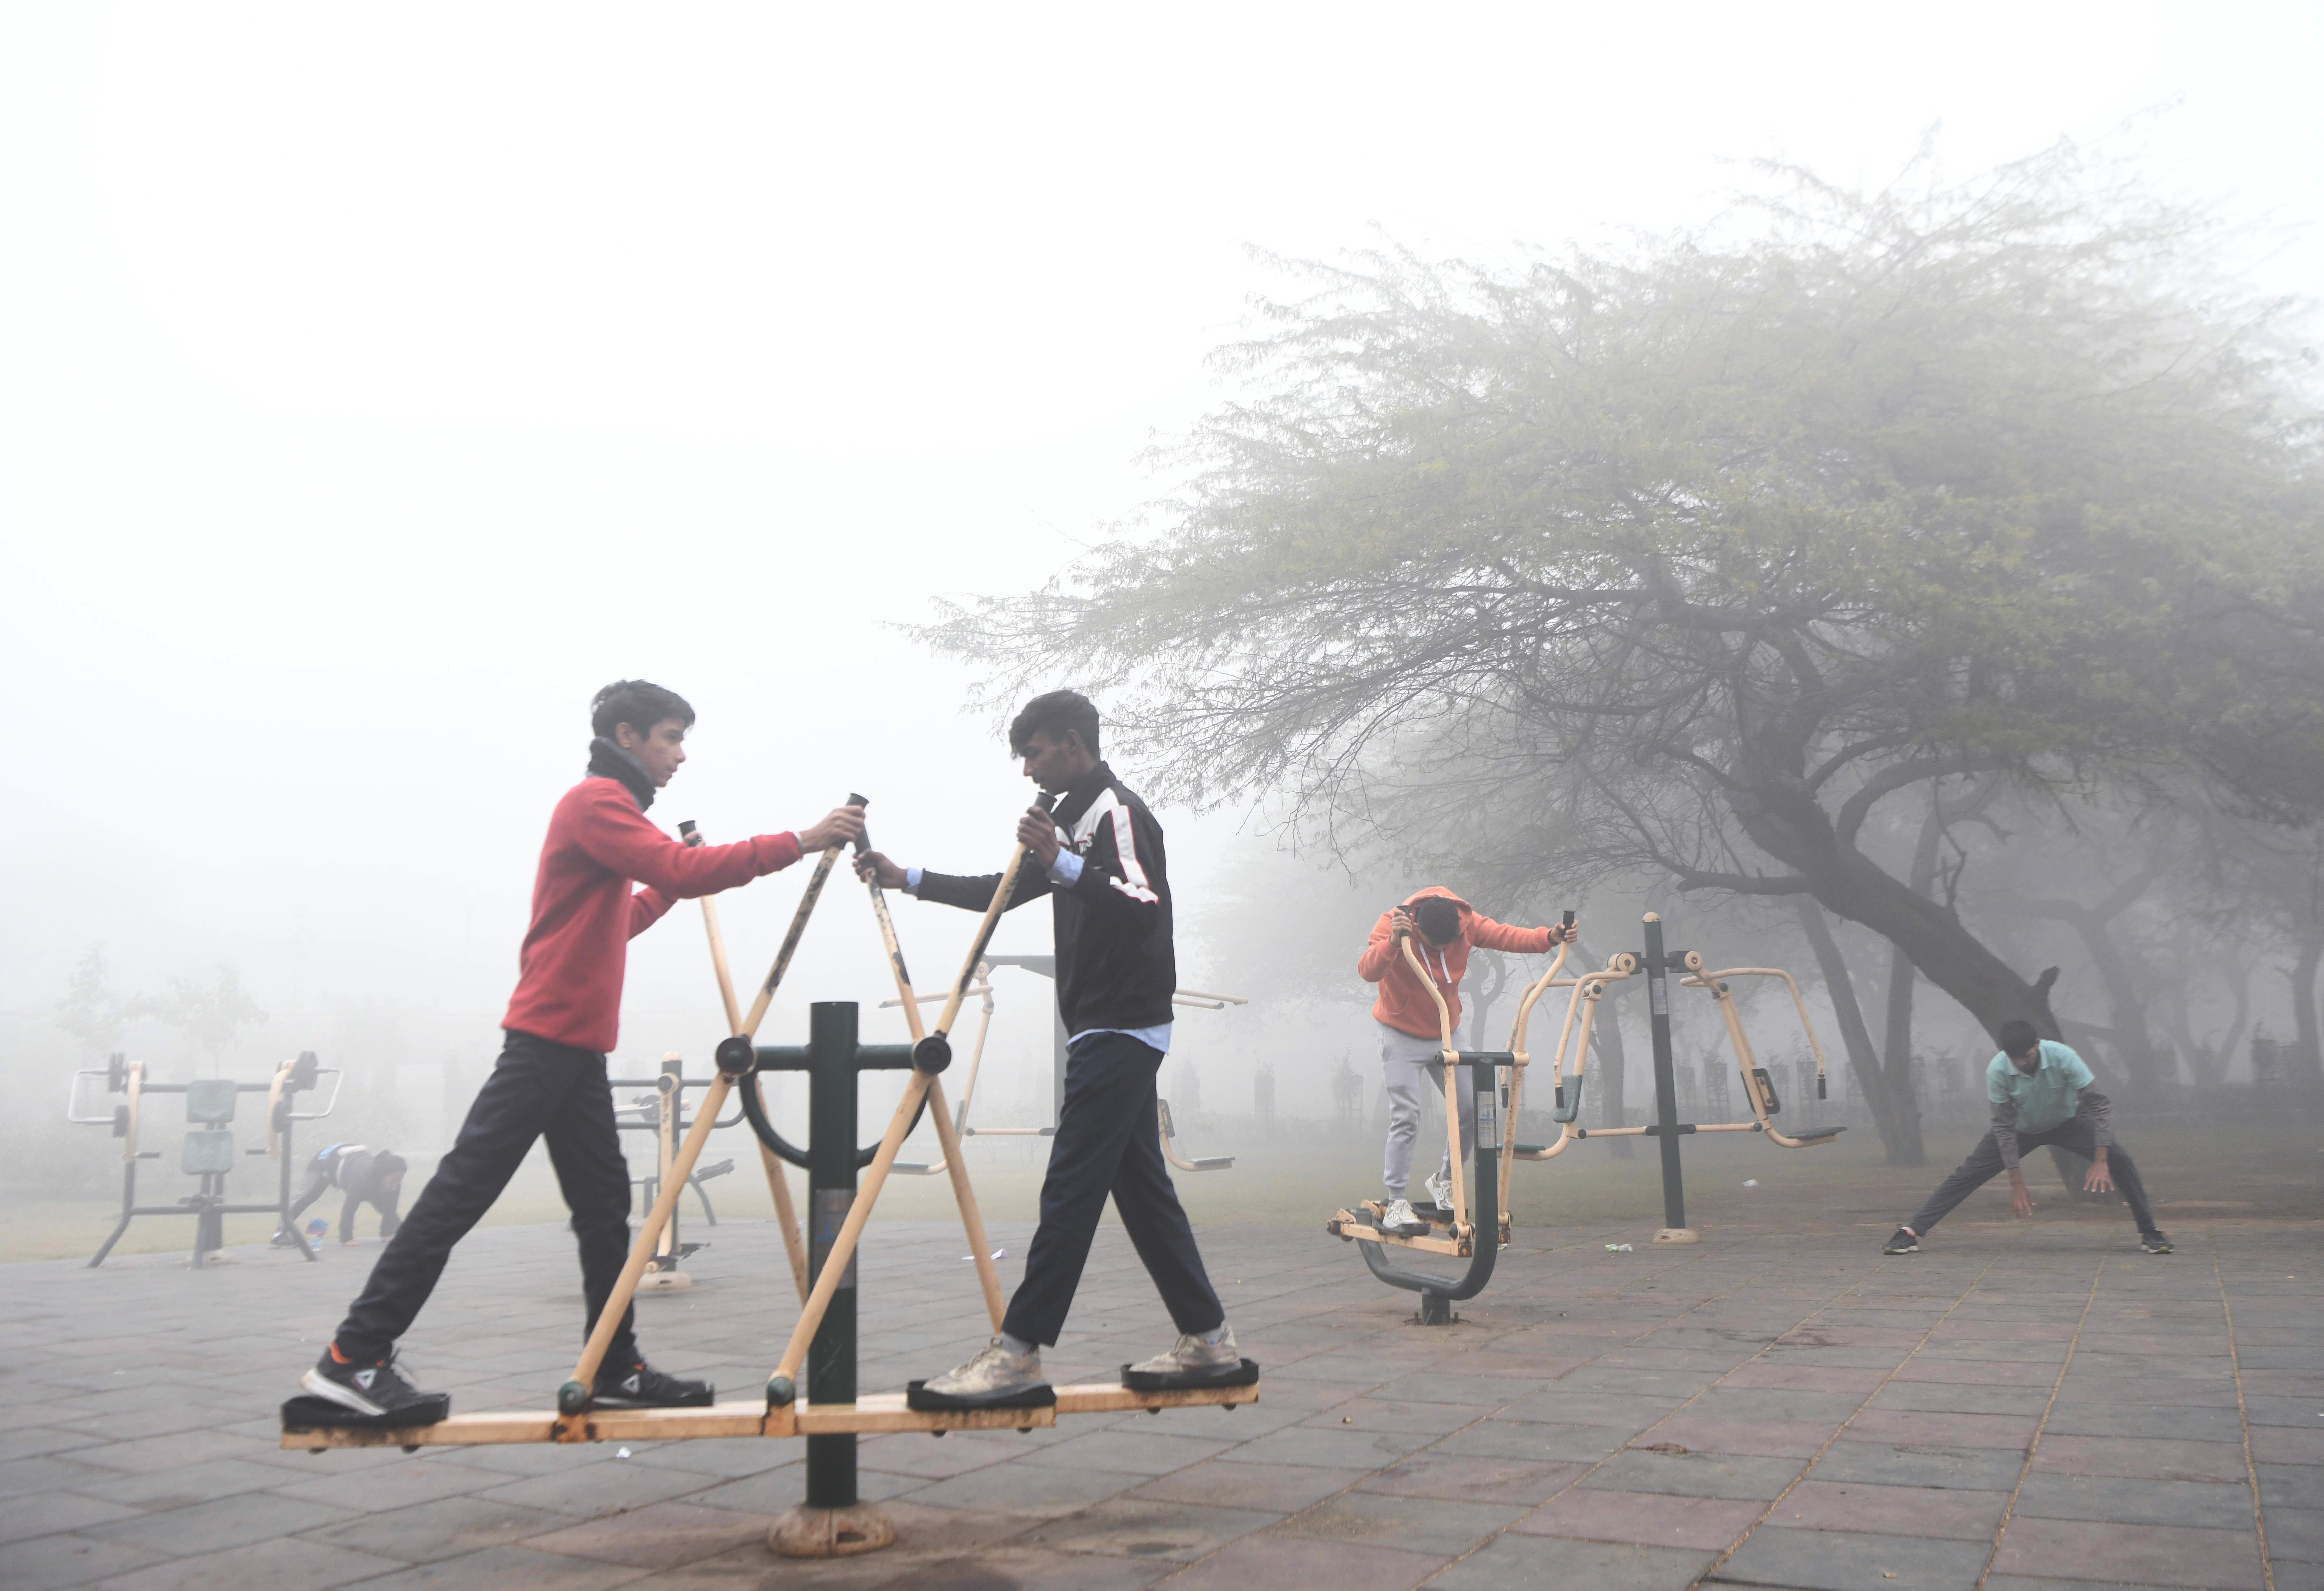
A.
pixel 208 1150
pixel 823 1342
pixel 1490 1178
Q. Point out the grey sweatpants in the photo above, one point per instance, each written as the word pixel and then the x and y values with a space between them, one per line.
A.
pixel 1404 1061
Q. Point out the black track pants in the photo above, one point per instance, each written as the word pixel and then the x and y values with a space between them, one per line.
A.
pixel 539 1089
pixel 1108 1142
pixel 1984 1163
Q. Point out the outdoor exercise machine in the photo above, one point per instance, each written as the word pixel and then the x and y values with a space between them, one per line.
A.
pixel 662 1113
pixel 1479 1195
pixel 822 1347
pixel 208 1152
pixel 1657 963
pixel 1046 965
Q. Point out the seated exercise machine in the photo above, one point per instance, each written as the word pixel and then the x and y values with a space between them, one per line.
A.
pixel 209 1149
pixel 821 1343
pixel 1046 967
pixel 1656 963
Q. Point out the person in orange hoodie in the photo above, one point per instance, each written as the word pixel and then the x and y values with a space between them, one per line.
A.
pixel 1442 927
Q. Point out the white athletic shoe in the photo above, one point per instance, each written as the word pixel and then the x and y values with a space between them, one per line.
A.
pixel 1398 1219
pixel 993 1375
pixel 1439 1190
pixel 1191 1361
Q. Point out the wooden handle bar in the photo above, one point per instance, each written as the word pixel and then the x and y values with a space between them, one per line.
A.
pixel 779 1187
pixel 842 1247
pixel 1451 1064
pixel 972 1219
pixel 1000 904
pixel 577 1391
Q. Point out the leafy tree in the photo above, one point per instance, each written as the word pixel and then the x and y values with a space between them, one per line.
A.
pixel 1678 564
pixel 91 1011
pixel 210 1014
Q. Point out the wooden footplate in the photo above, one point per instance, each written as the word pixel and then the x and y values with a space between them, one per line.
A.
pixel 880 1413
pixel 1366 1229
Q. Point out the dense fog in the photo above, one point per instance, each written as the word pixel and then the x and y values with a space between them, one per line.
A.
pixel 374 388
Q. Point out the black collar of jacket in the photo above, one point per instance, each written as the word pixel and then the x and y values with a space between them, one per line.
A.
pixel 609 761
pixel 1081 794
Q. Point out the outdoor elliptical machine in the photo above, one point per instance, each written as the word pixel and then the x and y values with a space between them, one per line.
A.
pixel 822 1344
pixel 1437 1294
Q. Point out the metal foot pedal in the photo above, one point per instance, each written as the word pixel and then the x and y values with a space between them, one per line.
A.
pixel 917 1396
pixel 1244 1374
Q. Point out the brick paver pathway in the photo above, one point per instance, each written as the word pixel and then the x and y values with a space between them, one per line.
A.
pixel 2019 1407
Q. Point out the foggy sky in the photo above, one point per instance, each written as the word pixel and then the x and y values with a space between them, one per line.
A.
pixel 375 386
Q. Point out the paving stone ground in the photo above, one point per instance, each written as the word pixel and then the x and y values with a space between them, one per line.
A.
pixel 2017 1408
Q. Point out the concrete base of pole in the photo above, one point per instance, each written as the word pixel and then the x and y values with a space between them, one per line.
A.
pixel 1678 1235
pixel 830 1532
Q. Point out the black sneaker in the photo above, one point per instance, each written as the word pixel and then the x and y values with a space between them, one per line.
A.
pixel 363 1394
pixel 1903 1242
pixel 2155 1242
pixel 642 1386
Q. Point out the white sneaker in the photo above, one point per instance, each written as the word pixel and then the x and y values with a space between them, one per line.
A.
pixel 1398 1219
pixel 1439 1190
pixel 1192 1362
pixel 995 1375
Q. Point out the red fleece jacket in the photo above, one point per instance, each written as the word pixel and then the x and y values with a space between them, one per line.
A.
pixel 1404 1004
pixel 568 987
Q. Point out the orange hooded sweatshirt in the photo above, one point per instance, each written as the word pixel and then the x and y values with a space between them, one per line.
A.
pixel 1404 1004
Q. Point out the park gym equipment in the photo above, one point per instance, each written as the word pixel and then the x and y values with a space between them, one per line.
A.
pixel 662 1113
pixel 822 1341
pixel 209 1149
pixel 1046 967
pixel 1656 963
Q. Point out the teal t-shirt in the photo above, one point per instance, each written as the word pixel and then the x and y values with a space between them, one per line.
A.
pixel 2045 1098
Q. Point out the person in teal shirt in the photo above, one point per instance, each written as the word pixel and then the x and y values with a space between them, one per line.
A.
pixel 2042 1095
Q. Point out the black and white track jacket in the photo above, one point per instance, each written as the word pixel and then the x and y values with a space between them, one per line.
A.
pixel 1116 967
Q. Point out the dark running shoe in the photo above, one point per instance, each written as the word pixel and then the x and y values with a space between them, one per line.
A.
pixel 363 1394
pixel 642 1386
pixel 2155 1242
pixel 1903 1242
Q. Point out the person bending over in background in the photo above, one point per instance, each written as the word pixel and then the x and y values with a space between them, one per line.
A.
pixel 550 1080
pixel 1444 927
pixel 366 1176
pixel 1098 859
pixel 2041 1094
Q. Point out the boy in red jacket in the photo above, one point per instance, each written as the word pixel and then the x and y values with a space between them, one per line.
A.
pixel 1442 927
pixel 550 1080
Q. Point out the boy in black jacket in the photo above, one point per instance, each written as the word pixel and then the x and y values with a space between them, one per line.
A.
pixel 1098 859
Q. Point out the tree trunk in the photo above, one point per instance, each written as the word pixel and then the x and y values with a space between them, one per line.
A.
pixel 1899 1128
pixel 1606 1037
pixel 1782 816
pixel 2307 1059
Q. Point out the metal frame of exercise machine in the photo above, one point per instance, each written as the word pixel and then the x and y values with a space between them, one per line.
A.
pixel 208 1150
pixel 1657 963
pixel 1046 965
pixel 821 1343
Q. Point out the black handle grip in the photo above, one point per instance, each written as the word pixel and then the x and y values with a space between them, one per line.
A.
pixel 864 840
pixel 1569 918
pixel 1046 801
pixel 687 832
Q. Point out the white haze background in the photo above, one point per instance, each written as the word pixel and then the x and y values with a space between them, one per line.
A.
pixel 376 383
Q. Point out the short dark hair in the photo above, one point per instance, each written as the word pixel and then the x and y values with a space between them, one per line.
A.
pixel 1439 919
pixel 2017 1036
pixel 1052 713
pixel 639 703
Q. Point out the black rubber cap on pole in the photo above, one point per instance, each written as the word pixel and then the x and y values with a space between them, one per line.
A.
pixel 932 1054
pixel 737 1056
